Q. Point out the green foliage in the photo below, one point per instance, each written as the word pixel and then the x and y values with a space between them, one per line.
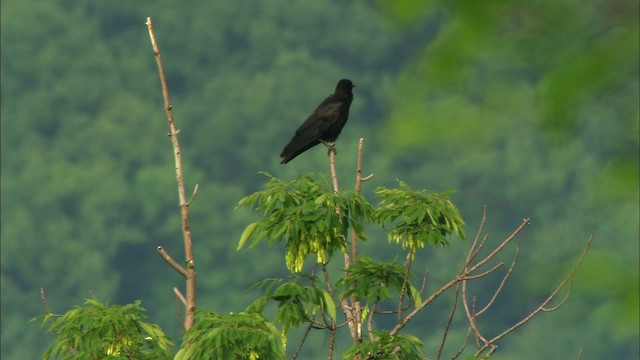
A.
pixel 237 336
pixel 313 219
pixel 297 304
pixel 385 346
pixel 95 331
pixel 310 217
pixel 372 281
pixel 415 218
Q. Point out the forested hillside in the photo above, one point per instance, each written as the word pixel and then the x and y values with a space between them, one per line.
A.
pixel 530 108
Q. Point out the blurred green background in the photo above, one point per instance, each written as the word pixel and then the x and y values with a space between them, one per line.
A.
pixel 528 107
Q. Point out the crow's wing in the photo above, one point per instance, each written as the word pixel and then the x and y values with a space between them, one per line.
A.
pixel 311 132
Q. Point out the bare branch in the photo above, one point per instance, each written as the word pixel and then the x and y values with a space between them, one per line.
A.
pixel 464 345
pixel 483 274
pixel 504 280
pixel 403 289
pixel 184 205
pixel 332 341
pixel 424 282
pixel 471 315
pixel 495 251
pixel 426 302
pixel 446 329
pixel 357 311
pixel 180 301
pixel 370 319
pixel 567 279
pixel 165 255
pixel 472 254
pixel 304 337
pixel 353 319
pixel 44 303
pixel 563 301
pixel 71 349
pixel 193 195
pixel 179 295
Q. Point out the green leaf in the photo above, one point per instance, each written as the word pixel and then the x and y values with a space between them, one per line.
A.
pixel 330 305
pixel 246 234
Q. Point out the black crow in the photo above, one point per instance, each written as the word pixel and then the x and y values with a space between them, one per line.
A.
pixel 323 125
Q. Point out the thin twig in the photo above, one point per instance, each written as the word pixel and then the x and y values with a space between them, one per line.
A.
pixel 44 303
pixel 504 280
pixel 448 326
pixel 485 273
pixel 179 295
pixel 471 315
pixel 48 313
pixel 193 195
pixel 405 281
pixel 423 286
pixel 180 301
pixel 464 344
pixel 304 337
pixel 473 253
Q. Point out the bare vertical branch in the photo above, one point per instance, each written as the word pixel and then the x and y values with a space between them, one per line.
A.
pixel 304 337
pixel 190 275
pixel 332 341
pixel 353 321
pixel 358 187
pixel 405 281
pixel 448 326
pixel 71 349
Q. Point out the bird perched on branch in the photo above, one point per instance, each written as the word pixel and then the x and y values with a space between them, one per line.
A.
pixel 323 125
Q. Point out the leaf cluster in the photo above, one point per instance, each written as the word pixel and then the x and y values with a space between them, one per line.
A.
pixel 308 215
pixel 413 218
pixel 384 346
pixel 297 303
pixel 313 219
pixel 237 336
pixel 97 331
pixel 373 281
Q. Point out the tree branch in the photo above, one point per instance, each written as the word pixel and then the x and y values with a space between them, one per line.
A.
pixel 190 275
pixel 489 344
pixel 165 255
pixel 448 326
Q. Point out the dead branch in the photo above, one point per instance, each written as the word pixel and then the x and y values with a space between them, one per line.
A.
pixel 502 282
pixel 490 344
pixel 165 255
pixel 352 320
pixel 464 273
pixel 48 313
pixel 405 281
pixel 448 326
pixel 190 274
pixel 304 337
